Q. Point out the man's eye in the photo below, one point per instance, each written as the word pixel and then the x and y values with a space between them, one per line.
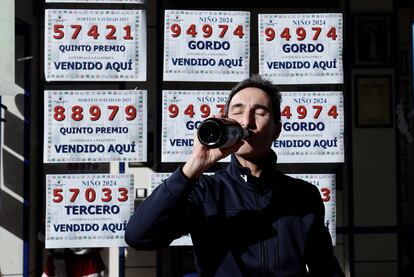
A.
pixel 260 112
pixel 236 112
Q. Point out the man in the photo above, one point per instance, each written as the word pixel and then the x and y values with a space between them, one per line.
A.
pixel 246 220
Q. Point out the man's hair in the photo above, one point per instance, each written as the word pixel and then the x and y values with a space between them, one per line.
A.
pixel 256 81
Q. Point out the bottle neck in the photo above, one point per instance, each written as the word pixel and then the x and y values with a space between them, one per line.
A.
pixel 246 132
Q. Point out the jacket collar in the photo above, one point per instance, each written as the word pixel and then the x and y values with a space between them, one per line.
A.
pixel 243 174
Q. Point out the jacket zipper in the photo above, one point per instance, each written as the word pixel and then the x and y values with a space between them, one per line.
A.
pixel 262 246
pixel 277 249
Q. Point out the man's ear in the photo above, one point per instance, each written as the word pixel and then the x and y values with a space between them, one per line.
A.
pixel 278 128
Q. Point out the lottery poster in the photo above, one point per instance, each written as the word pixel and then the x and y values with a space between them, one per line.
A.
pixel 301 48
pixel 182 113
pixel 95 126
pixel 89 210
pixel 206 45
pixel 312 128
pixel 95 45
pixel 97 1
pixel 326 184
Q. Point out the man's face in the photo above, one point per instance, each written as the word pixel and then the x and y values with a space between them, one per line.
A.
pixel 252 108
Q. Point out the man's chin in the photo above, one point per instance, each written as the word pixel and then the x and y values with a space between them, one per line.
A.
pixel 250 152
pixel 245 149
pixel 246 152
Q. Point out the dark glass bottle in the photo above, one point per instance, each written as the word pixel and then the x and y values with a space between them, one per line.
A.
pixel 220 132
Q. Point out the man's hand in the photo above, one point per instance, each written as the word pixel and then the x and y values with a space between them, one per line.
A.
pixel 202 157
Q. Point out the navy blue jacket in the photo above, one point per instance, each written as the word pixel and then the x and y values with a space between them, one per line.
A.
pixel 240 225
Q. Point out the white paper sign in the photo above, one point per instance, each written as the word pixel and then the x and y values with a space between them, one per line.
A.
pixel 95 45
pixel 157 179
pixel 206 45
pixel 301 48
pixel 312 128
pixel 183 111
pixel 95 126
pixel 97 1
pixel 326 184
pixel 89 210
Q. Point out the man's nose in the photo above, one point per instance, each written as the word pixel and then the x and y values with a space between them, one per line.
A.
pixel 248 120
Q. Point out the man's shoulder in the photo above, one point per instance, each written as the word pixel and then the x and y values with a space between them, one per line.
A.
pixel 296 184
pixel 298 194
